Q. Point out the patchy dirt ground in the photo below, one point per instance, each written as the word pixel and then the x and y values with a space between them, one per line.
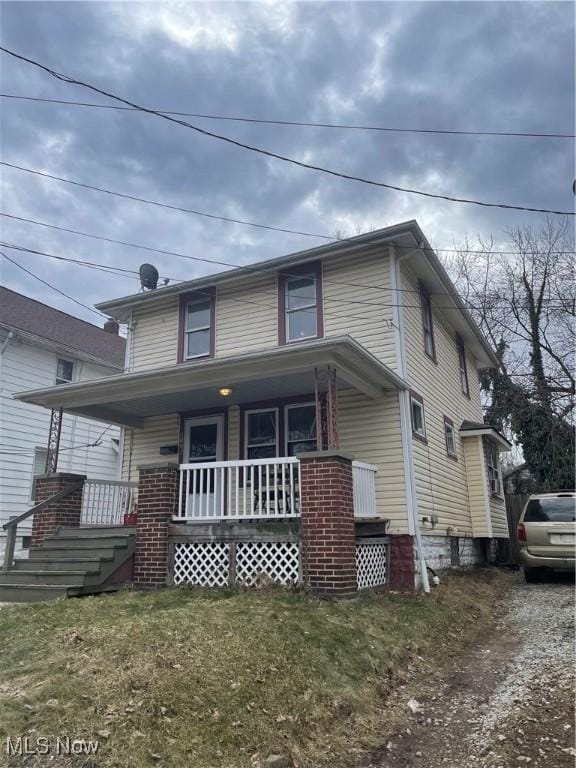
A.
pixel 509 702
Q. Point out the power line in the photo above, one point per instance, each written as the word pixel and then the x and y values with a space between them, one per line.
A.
pixel 71 298
pixel 252 268
pixel 295 123
pixel 267 153
pixel 362 302
pixel 158 204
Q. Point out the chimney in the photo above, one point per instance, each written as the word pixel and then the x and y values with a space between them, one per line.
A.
pixel 112 326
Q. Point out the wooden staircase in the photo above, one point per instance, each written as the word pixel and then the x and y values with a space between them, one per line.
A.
pixel 73 562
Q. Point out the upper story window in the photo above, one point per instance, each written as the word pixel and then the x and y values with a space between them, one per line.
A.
pixel 64 371
pixel 300 304
pixel 427 323
pixel 197 333
pixel 493 467
pixel 462 366
pixel 450 435
pixel 262 434
pixel 300 429
pixel 417 413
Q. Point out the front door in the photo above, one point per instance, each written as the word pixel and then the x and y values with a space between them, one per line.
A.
pixel 204 444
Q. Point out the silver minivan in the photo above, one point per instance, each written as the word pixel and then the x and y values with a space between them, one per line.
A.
pixel 547 534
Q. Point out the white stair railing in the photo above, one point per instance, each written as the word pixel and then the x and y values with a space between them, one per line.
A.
pixel 364 483
pixel 239 490
pixel 105 502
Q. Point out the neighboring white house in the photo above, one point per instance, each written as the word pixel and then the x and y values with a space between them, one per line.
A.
pixel 39 347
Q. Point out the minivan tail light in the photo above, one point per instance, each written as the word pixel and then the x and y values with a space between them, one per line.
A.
pixel 521 532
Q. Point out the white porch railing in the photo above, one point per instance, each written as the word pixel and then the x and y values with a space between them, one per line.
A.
pixel 260 488
pixel 364 484
pixel 239 490
pixel 105 502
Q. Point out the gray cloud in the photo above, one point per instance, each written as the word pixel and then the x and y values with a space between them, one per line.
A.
pixel 495 66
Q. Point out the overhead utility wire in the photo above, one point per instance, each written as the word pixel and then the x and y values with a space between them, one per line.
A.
pixel 158 204
pixel 71 298
pixel 267 153
pixel 252 268
pixel 295 123
pixel 17 247
pixel 135 276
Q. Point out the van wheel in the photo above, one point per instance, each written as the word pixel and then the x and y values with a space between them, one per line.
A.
pixel 532 575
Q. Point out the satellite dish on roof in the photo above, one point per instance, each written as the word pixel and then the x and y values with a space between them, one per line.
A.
pixel 148 277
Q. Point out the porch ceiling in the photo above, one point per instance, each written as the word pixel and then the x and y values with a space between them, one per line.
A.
pixel 280 372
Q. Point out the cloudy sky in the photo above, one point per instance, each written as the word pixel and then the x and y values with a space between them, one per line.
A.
pixel 490 66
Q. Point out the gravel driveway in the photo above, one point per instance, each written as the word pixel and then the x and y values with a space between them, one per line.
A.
pixel 507 703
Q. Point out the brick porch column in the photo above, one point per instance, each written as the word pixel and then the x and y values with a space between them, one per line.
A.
pixel 65 512
pixel 157 499
pixel 327 523
pixel 402 568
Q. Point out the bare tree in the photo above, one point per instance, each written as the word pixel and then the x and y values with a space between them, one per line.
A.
pixel 525 303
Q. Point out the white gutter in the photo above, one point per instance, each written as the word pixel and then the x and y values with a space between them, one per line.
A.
pixel 405 420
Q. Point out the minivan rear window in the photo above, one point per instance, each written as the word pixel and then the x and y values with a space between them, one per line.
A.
pixel 551 510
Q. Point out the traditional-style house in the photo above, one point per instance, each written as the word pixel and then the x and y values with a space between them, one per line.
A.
pixel 314 418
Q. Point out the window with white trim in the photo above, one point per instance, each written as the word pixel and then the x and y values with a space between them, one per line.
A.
pixel 64 371
pixel 417 413
pixel 38 467
pixel 427 324
pixel 450 435
pixel 301 301
pixel 300 428
pixel 493 464
pixel 197 328
pixel 262 434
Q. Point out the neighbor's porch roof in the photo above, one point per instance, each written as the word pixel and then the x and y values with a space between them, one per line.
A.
pixel 281 372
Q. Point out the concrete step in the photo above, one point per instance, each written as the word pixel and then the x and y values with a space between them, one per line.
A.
pixel 76 550
pixel 88 542
pixel 31 593
pixel 87 533
pixel 58 564
pixel 81 578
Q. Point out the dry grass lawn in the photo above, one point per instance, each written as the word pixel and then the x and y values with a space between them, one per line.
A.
pixel 210 679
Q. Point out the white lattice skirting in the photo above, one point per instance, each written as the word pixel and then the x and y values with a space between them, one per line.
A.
pixel 371 563
pixel 218 564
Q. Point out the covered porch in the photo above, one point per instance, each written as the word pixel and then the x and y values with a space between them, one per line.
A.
pixel 215 450
pixel 236 426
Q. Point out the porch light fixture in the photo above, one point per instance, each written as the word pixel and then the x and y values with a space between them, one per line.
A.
pixel 225 391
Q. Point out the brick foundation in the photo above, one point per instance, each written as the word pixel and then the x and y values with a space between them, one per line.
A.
pixel 402 568
pixel 157 499
pixel 65 512
pixel 327 524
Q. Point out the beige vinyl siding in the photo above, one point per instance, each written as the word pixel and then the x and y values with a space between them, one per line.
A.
pixel 247 316
pixel 368 323
pixel 370 432
pixel 477 488
pixel 142 446
pixel 155 335
pixel 233 433
pixel 441 481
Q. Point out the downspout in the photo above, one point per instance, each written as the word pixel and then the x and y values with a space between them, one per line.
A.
pixel 127 369
pixel 404 398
